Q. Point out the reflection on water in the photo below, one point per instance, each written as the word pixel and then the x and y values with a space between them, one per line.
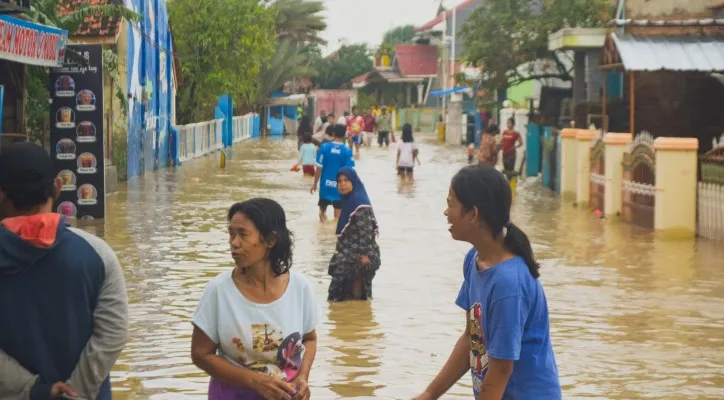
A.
pixel 633 316
pixel 356 336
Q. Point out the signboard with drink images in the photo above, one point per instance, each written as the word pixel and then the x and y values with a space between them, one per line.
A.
pixel 76 134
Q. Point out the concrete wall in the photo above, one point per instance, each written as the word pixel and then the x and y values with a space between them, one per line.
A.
pixel 639 9
pixel 678 104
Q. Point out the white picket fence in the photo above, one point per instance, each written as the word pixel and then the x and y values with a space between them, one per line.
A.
pixel 199 139
pixel 711 211
pixel 243 127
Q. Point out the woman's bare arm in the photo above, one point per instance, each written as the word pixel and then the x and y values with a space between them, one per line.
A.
pixel 496 379
pixel 310 352
pixel 457 365
pixel 203 355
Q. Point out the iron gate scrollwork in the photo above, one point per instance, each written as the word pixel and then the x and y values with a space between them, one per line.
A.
pixel 639 182
pixel 598 174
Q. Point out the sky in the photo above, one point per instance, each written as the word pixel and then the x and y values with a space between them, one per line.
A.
pixel 367 20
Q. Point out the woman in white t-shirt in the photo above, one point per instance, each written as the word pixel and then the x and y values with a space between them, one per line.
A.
pixel 255 326
pixel 407 153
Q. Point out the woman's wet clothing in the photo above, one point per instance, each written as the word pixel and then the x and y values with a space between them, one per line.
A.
pixel 357 239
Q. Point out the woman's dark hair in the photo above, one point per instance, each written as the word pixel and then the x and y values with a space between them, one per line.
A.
pixel 492 129
pixel 485 188
pixel 307 137
pixel 407 134
pixel 305 126
pixel 269 218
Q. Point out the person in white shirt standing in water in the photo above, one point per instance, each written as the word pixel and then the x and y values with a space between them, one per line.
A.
pixel 407 154
pixel 255 325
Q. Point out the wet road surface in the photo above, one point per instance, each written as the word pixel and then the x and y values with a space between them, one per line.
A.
pixel 633 316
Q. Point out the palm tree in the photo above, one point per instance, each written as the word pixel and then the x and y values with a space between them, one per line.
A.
pixel 289 61
pixel 301 20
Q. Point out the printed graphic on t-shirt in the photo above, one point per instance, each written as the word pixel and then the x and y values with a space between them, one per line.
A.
pixel 478 353
pixel 271 352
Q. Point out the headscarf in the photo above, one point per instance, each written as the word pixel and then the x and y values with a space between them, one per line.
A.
pixel 353 201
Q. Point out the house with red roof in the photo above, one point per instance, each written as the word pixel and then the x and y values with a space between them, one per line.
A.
pixel 406 80
pixel 441 27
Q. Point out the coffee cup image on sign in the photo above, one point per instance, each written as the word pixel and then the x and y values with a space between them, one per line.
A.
pixel 65 118
pixel 65 86
pixel 85 100
pixel 87 195
pixel 65 149
pixel 67 209
pixel 68 179
pixel 86 132
pixel 87 163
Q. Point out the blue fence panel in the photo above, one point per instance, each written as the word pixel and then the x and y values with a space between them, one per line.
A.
pixel 533 150
pixel 256 130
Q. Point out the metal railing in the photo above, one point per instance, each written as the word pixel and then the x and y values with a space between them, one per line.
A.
pixel 245 127
pixel 202 138
pixel 199 139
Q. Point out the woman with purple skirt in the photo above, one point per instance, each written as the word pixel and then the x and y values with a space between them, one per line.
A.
pixel 255 325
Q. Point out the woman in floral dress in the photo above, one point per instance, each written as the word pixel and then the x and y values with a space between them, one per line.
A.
pixel 357 256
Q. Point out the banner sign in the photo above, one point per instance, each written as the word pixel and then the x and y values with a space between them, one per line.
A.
pixel 29 43
pixel 76 134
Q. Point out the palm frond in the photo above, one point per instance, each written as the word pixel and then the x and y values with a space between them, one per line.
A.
pixel 301 20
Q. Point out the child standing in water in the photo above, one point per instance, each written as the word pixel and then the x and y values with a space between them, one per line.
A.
pixel 488 154
pixel 308 154
pixel 406 153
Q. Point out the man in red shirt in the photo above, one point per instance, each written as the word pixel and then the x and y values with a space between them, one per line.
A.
pixel 355 127
pixel 511 142
pixel 370 126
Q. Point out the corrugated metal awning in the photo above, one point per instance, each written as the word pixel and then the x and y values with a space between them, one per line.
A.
pixel 665 53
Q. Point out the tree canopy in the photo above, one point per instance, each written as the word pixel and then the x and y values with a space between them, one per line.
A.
pixel 503 35
pixel 222 46
pixel 399 35
pixel 349 61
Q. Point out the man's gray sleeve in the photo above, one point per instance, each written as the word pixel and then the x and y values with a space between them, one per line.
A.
pixel 15 380
pixel 110 325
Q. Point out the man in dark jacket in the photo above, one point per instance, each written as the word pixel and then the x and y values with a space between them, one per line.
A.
pixel 63 303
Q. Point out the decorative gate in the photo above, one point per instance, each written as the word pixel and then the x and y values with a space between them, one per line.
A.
pixel 598 173
pixel 639 182
pixel 551 158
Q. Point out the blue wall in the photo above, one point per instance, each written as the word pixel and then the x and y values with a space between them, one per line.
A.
pixel 149 66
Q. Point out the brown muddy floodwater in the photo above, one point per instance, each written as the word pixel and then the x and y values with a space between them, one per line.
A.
pixel 633 316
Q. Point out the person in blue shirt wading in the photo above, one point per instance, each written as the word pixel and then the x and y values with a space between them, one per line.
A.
pixel 330 158
pixel 506 344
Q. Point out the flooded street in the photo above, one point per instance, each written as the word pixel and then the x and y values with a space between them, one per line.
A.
pixel 633 316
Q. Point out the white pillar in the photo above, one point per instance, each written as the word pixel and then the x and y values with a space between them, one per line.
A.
pixel 676 185
pixel 420 88
pixel 616 144
pixel 583 165
pixel 569 159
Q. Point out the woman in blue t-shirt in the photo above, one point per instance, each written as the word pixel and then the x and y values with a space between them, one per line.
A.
pixel 506 344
